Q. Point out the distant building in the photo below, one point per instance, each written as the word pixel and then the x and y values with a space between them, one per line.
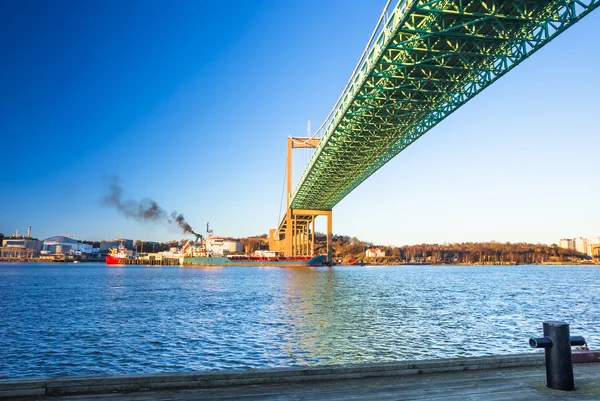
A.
pixel 594 240
pixel 24 243
pixel 595 251
pixel 20 248
pixel 65 245
pixel 581 245
pixel 374 253
pixel 593 243
pixel 567 243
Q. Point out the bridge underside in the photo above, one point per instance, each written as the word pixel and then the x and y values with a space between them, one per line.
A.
pixel 429 59
pixel 295 234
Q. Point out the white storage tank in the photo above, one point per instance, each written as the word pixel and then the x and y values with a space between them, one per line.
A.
pixel 233 247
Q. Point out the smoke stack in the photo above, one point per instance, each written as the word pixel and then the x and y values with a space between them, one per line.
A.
pixel 29 232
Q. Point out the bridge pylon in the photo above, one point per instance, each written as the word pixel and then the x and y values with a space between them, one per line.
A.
pixel 295 234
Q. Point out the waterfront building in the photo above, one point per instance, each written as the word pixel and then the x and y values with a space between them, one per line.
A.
pixel 374 253
pixel 25 243
pixel 61 244
pixel 20 247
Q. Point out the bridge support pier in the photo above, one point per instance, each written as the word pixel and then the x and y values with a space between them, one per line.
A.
pixel 294 237
pixel 329 236
pixel 296 233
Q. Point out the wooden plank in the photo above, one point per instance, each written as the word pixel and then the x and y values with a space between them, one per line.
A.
pixel 514 384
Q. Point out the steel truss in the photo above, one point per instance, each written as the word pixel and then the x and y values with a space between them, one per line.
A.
pixel 429 59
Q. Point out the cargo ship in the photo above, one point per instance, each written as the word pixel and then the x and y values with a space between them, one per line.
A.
pixel 243 260
pixel 201 253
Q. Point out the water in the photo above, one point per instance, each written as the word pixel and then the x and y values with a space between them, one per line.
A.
pixel 59 319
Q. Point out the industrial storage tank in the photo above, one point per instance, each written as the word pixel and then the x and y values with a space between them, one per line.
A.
pixel 63 244
pixel 233 247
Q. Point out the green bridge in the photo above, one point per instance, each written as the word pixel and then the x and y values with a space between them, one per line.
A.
pixel 425 59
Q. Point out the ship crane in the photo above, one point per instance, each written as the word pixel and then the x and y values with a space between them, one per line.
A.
pixel 186 248
pixel 189 245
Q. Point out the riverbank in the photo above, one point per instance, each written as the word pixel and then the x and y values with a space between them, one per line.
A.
pixel 487 378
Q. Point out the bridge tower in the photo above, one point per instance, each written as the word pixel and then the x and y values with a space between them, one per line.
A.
pixel 295 234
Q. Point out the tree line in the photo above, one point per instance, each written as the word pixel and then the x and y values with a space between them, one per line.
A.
pixel 348 248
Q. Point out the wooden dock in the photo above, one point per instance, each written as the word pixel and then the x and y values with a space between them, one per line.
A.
pixel 513 378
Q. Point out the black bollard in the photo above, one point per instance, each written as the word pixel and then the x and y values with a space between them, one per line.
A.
pixel 559 366
pixel 557 343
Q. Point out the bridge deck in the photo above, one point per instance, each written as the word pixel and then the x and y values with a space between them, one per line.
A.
pixel 430 57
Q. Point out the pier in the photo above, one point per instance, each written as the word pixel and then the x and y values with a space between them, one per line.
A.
pixel 511 377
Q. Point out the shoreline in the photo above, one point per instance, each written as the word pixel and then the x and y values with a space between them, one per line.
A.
pixel 586 263
pixel 590 263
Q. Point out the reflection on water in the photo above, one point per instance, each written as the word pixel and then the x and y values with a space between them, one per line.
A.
pixel 89 319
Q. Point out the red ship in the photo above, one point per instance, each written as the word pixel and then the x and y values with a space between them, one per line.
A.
pixel 118 256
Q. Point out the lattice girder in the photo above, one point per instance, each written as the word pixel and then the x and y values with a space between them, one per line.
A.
pixel 429 59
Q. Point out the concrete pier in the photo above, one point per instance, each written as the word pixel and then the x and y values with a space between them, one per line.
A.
pixel 515 377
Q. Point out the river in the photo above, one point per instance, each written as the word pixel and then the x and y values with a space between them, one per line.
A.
pixel 81 319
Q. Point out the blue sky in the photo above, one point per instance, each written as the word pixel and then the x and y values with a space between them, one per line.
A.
pixel 191 102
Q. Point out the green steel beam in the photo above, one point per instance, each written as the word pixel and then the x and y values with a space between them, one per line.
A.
pixel 429 58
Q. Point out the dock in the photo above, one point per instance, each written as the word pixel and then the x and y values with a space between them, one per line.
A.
pixel 513 377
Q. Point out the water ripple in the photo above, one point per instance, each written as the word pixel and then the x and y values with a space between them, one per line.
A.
pixel 89 319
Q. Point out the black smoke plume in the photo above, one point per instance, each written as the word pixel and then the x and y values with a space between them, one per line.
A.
pixel 179 219
pixel 145 210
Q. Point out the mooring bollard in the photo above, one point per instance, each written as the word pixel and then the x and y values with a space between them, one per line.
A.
pixel 557 343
